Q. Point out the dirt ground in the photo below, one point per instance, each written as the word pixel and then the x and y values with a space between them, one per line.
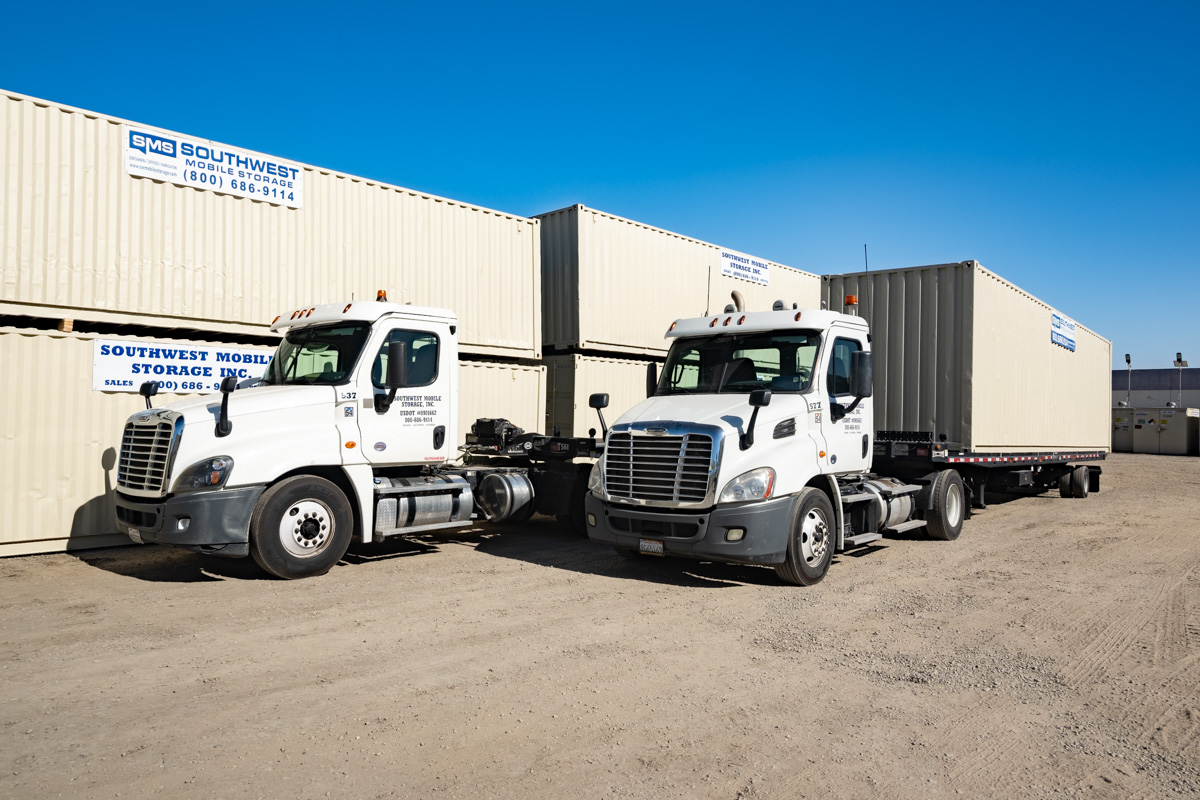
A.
pixel 1053 650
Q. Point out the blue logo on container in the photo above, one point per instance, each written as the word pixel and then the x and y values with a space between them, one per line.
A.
pixel 149 143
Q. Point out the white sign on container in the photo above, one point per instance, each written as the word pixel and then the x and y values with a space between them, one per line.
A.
pixel 746 267
pixel 122 365
pixel 1062 331
pixel 202 164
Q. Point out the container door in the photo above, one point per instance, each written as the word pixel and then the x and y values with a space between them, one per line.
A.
pixel 849 439
pixel 416 427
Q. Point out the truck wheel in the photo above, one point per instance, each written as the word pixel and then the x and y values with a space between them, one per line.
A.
pixel 1080 481
pixel 812 541
pixel 575 520
pixel 945 519
pixel 1064 485
pixel 300 527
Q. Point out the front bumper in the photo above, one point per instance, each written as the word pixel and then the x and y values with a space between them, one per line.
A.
pixel 767 526
pixel 217 522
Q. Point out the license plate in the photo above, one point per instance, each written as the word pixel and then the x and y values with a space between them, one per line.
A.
pixel 136 535
pixel 650 547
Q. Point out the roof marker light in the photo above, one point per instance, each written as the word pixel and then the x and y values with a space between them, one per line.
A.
pixel 673 324
pixel 797 316
pixel 294 313
pixel 851 299
pixel 741 319
pixel 727 321
pixel 347 308
pixel 713 324
pixel 277 316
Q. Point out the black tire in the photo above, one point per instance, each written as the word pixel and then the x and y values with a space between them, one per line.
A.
pixel 945 519
pixel 1064 485
pixel 301 527
pixel 1080 482
pixel 812 540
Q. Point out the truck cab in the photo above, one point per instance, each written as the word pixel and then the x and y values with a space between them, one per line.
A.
pixel 357 401
pixel 754 446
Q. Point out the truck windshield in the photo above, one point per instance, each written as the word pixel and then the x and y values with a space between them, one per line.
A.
pixel 781 361
pixel 324 355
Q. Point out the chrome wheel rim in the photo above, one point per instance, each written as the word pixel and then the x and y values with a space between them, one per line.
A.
pixel 306 528
pixel 814 537
pixel 954 505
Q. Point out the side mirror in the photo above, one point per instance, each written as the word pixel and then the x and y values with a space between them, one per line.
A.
pixel 397 371
pixel 861 374
pixel 598 401
pixel 759 398
pixel 651 378
pixel 148 390
pixel 224 426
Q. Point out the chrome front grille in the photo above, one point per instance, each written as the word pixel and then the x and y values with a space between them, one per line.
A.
pixel 659 469
pixel 147 447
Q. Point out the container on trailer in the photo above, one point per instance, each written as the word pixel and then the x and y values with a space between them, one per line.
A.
pixel 82 230
pixel 963 354
pixel 491 389
pixel 609 283
pixel 571 381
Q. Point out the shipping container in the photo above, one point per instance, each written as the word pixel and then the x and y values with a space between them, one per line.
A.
pixel 64 435
pixel 1122 437
pixel 963 354
pixel 614 285
pixel 574 378
pixel 81 238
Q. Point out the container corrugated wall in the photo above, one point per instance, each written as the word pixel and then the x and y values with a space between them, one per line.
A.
pixel 60 439
pixel 65 437
pixel 516 392
pixel 76 232
pixel 573 378
pixel 962 352
pixel 615 285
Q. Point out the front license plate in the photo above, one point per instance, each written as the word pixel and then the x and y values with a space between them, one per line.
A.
pixel 651 547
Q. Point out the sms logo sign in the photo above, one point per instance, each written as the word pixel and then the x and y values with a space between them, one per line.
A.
pixel 150 144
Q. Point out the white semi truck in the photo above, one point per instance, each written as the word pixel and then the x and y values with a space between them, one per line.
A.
pixel 757 445
pixel 350 435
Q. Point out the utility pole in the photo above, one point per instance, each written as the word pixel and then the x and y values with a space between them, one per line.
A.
pixel 1129 387
pixel 1180 363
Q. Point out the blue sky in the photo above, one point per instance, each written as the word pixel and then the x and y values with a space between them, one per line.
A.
pixel 1054 142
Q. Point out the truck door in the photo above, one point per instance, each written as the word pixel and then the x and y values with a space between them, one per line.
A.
pixel 416 428
pixel 849 439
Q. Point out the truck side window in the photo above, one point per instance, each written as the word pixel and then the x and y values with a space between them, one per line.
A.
pixel 422 358
pixel 839 366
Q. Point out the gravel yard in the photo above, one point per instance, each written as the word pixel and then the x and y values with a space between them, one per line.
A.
pixel 1053 650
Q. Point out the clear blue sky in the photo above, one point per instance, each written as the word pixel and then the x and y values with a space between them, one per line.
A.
pixel 1057 143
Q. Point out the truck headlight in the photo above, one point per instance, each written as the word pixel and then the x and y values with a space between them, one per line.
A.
pixel 596 479
pixel 211 473
pixel 753 485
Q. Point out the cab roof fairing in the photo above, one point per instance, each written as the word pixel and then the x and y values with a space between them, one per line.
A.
pixel 370 311
pixel 761 321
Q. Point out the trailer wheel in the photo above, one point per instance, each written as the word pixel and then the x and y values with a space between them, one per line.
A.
pixel 812 540
pixel 300 527
pixel 945 519
pixel 1064 484
pixel 1080 480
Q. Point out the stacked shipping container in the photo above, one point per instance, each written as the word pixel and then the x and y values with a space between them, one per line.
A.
pixel 81 239
pixel 610 289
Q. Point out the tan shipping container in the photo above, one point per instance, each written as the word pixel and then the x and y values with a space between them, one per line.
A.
pixel 574 378
pixel 60 438
pixel 612 284
pixel 962 352
pixel 76 232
